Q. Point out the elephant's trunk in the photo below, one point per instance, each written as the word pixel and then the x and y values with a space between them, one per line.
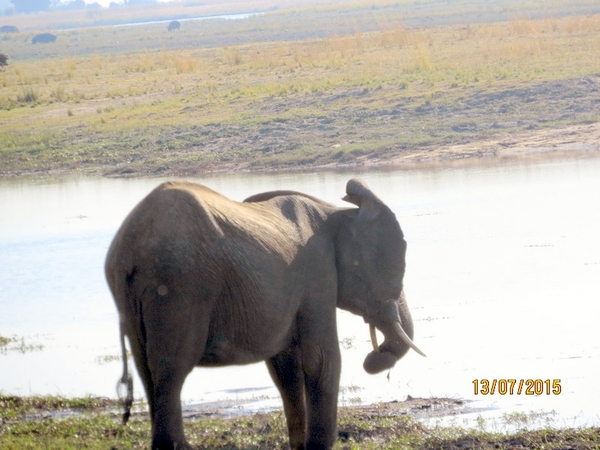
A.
pixel 396 324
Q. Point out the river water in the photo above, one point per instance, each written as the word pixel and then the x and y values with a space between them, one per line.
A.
pixel 236 16
pixel 502 279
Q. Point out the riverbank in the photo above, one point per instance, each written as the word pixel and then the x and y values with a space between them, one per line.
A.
pixel 244 95
pixel 577 141
pixel 94 423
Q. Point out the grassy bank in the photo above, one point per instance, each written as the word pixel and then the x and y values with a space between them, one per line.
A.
pixel 246 95
pixel 93 423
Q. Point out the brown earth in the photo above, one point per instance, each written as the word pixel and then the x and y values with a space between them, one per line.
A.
pixel 575 140
pixel 582 140
pixel 572 141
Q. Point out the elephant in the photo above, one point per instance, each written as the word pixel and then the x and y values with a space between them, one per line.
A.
pixel 174 25
pixel 202 280
pixel 3 60
pixel 44 38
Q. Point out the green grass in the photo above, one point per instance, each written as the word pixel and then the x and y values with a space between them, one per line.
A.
pixel 94 423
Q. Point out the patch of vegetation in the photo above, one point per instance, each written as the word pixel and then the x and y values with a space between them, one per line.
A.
pixel 106 359
pixel 547 439
pixel 33 422
pixel 15 407
pixel 17 344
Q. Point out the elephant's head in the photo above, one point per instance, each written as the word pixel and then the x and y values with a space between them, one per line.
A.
pixel 371 262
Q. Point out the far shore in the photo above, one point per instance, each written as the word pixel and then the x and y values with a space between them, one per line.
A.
pixel 576 141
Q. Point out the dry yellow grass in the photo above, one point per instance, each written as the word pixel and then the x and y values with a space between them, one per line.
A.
pixel 517 51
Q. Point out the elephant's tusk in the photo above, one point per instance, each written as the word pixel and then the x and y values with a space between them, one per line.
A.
pixel 373 338
pixel 407 340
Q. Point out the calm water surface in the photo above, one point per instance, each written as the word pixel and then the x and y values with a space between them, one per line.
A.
pixel 503 279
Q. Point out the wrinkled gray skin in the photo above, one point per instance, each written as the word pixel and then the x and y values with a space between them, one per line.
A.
pixel 201 280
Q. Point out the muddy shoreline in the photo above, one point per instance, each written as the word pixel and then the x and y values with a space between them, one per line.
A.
pixel 582 141
pixel 576 141
pixel 418 408
pixel 95 423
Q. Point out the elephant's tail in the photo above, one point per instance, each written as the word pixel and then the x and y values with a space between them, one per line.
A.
pixel 125 381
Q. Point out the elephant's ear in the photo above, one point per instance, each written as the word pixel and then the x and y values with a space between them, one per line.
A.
pixel 359 194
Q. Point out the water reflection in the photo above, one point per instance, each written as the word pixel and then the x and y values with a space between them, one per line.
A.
pixel 502 279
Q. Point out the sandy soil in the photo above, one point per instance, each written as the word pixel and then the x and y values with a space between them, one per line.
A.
pixel 572 139
pixel 575 140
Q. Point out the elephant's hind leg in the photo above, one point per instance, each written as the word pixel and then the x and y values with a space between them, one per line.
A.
pixel 288 376
pixel 167 419
pixel 175 340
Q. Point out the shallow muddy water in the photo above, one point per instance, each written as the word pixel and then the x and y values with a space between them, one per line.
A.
pixel 503 278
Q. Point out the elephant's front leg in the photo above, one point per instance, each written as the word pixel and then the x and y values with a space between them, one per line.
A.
pixel 286 371
pixel 322 384
pixel 321 363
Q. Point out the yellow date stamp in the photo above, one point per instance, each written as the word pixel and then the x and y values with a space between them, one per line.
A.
pixel 513 386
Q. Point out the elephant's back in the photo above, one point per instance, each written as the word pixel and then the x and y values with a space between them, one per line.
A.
pixel 184 230
pixel 172 214
pixel 189 220
pixel 259 225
